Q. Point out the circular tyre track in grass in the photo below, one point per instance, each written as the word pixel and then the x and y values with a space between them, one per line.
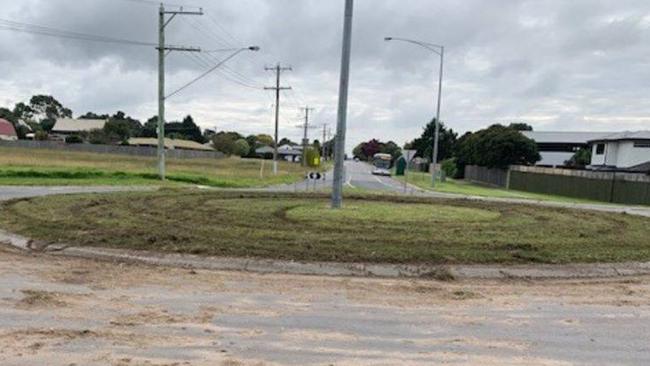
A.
pixel 370 229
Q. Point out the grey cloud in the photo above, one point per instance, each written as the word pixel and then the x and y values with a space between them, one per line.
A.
pixel 554 62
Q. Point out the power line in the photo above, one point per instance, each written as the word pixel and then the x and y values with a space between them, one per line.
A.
pixel 11 25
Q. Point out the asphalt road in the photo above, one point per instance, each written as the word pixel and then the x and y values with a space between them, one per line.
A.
pixel 357 175
pixel 14 192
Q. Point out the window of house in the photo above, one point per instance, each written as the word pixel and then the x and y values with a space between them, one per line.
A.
pixel 642 144
pixel 600 149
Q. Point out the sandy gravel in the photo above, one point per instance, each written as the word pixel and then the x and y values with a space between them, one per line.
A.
pixel 59 311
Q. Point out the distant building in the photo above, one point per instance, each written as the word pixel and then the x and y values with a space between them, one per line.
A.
pixel 170 144
pixel 624 151
pixel 70 126
pixel 7 131
pixel 558 147
pixel 285 152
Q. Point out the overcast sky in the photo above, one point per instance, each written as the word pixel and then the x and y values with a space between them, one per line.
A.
pixel 558 65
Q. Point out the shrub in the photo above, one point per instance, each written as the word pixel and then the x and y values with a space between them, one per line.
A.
pixel 41 136
pixel 450 168
pixel 74 139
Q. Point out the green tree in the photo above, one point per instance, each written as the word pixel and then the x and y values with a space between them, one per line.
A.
pixel 241 148
pixel 91 115
pixel 521 126
pixel 497 147
pixel 265 140
pixel 117 130
pixel 285 141
pixel 23 111
pixel 253 144
pixel 225 143
pixel 393 149
pixel 8 115
pixel 150 128
pixel 48 109
pixel 446 143
pixel 580 159
pixel 120 121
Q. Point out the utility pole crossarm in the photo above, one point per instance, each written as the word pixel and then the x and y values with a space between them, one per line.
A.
pixel 181 48
pixel 280 88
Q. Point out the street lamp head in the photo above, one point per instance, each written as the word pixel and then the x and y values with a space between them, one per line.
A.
pixel 388 39
pixel 253 48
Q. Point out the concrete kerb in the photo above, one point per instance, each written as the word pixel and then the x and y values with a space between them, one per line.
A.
pixel 268 266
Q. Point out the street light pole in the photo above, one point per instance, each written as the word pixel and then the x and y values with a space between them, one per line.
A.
pixel 339 152
pixel 440 51
pixel 436 139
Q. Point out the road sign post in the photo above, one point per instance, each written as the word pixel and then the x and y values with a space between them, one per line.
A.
pixel 408 155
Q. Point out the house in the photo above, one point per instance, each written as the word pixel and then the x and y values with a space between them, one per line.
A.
pixel 285 152
pixel 558 147
pixel 624 151
pixel 70 126
pixel 170 144
pixel 7 131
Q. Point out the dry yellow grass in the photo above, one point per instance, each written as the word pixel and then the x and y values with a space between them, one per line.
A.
pixel 35 166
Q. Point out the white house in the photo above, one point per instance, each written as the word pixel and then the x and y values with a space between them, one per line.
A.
pixel 556 147
pixel 625 151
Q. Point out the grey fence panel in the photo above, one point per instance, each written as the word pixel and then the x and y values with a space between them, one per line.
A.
pixel 625 188
pixel 483 175
pixel 112 149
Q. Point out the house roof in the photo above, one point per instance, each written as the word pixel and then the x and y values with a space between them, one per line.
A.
pixel 290 150
pixel 264 150
pixel 546 137
pixel 78 125
pixel 6 128
pixel 170 144
pixel 626 135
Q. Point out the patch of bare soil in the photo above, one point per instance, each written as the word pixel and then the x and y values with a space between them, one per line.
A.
pixel 162 316
pixel 37 299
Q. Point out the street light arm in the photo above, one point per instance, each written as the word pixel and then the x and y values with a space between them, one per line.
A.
pixel 430 46
pixel 254 48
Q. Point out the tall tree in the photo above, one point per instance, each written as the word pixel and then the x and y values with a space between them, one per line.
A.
pixel 367 150
pixel 521 126
pixel 497 147
pixel 91 115
pixel 48 110
pixel 424 143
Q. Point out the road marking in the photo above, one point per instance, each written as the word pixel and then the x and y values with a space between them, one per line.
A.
pixel 348 182
pixel 384 183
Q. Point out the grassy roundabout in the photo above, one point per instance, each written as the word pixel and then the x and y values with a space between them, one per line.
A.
pixel 369 229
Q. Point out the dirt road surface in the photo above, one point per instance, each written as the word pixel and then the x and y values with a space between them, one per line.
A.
pixel 59 311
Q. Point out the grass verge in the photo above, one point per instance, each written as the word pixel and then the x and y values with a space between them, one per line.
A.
pixel 371 228
pixel 19 166
pixel 423 180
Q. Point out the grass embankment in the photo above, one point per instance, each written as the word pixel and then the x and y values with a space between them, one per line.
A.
pixel 387 229
pixel 423 180
pixel 20 166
